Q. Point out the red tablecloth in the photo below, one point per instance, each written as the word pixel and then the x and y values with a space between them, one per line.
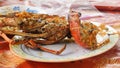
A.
pixel 109 59
pixel 113 5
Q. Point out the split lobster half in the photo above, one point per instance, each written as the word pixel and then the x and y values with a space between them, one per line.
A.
pixel 47 29
pixel 35 28
pixel 84 33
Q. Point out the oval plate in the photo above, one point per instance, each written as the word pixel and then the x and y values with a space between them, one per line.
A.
pixel 72 52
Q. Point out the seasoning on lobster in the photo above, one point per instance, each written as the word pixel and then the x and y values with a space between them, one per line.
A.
pixel 35 28
pixel 84 33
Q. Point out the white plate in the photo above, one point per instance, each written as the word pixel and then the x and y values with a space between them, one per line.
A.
pixel 72 52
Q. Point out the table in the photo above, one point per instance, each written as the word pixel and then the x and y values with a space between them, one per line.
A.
pixel 109 59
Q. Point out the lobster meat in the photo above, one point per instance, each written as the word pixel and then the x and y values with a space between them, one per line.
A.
pixel 85 33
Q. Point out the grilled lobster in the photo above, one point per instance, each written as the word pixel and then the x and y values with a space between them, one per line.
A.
pixel 49 29
pixel 36 28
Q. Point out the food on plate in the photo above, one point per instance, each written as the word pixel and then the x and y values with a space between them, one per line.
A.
pixel 86 33
pixel 38 29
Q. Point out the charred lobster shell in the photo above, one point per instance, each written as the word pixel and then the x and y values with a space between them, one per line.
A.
pixel 50 28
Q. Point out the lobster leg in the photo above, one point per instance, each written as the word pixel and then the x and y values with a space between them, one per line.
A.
pixel 46 49
pixel 32 44
pixel 46 42
pixel 4 36
pixel 44 35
